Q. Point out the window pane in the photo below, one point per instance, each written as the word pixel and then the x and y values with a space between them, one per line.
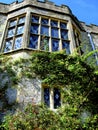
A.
pixel 11 32
pixel 55 45
pixel 47 96
pixel 44 45
pixel 54 23
pixel 8 46
pixel 66 46
pixel 45 30
pixel 44 21
pixel 35 19
pixel 34 29
pixel 54 32
pixel 33 42
pixel 20 29
pixel 64 34
pixel 57 98
pixel 18 43
pixel 63 25
pixel 12 23
pixel 21 20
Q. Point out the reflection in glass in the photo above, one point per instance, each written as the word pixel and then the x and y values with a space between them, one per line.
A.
pixel 11 32
pixel 65 45
pixel 8 46
pixel 21 20
pixel 12 23
pixel 44 45
pixel 20 29
pixel 54 32
pixel 18 43
pixel 57 98
pixel 33 42
pixel 35 19
pixel 64 34
pixel 47 96
pixel 55 45
pixel 54 23
pixel 34 29
pixel 63 25
pixel 44 30
pixel 44 21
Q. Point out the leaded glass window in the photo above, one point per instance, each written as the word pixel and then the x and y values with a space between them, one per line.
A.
pixel 11 32
pixel 63 25
pixel 65 45
pixel 54 23
pixel 35 19
pixel 34 29
pixel 64 34
pixel 54 32
pixel 15 28
pixel 18 43
pixel 20 29
pixel 33 42
pixel 44 45
pixel 44 21
pixel 44 30
pixel 57 98
pixel 47 96
pixel 52 97
pixel 55 45
pixel 8 46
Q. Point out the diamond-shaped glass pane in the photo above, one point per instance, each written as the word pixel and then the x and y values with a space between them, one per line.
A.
pixel 33 42
pixel 18 43
pixel 44 21
pixel 11 32
pixel 64 34
pixel 54 32
pixel 20 29
pixel 47 96
pixel 54 23
pixel 8 46
pixel 12 23
pixel 35 19
pixel 21 20
pixel 45 30
pixel 55 45
pixel 57 98
pixel 34 29
pixel 63 25
pixel 66 45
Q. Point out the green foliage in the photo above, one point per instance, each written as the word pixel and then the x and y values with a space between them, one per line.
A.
pixel 77 81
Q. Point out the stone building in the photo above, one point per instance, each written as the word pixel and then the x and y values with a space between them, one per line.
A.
pixel 41 25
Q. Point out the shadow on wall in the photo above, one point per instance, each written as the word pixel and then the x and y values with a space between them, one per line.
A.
pixel 8 96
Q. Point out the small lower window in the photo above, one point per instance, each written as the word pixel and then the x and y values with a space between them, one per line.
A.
pixel 52 97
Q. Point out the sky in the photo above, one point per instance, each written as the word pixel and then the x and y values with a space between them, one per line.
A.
pixel 84 10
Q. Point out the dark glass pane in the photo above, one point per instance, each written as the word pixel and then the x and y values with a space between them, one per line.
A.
pixel 44 30
pixel 47 96
pixel 21 20
pixel 54 32
pixel 64 34
pixel 55 45
pixel 34 29
pixel 57 98
pixel 44 21
pixel 18 43
pixel 8 46
pixel 11 32
pixel 33 42
pixel 44 45
pixel 13 23
pixel 35 19
pixel 54 23
pixel 66 46
pixel 20 29
pixel 63 25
